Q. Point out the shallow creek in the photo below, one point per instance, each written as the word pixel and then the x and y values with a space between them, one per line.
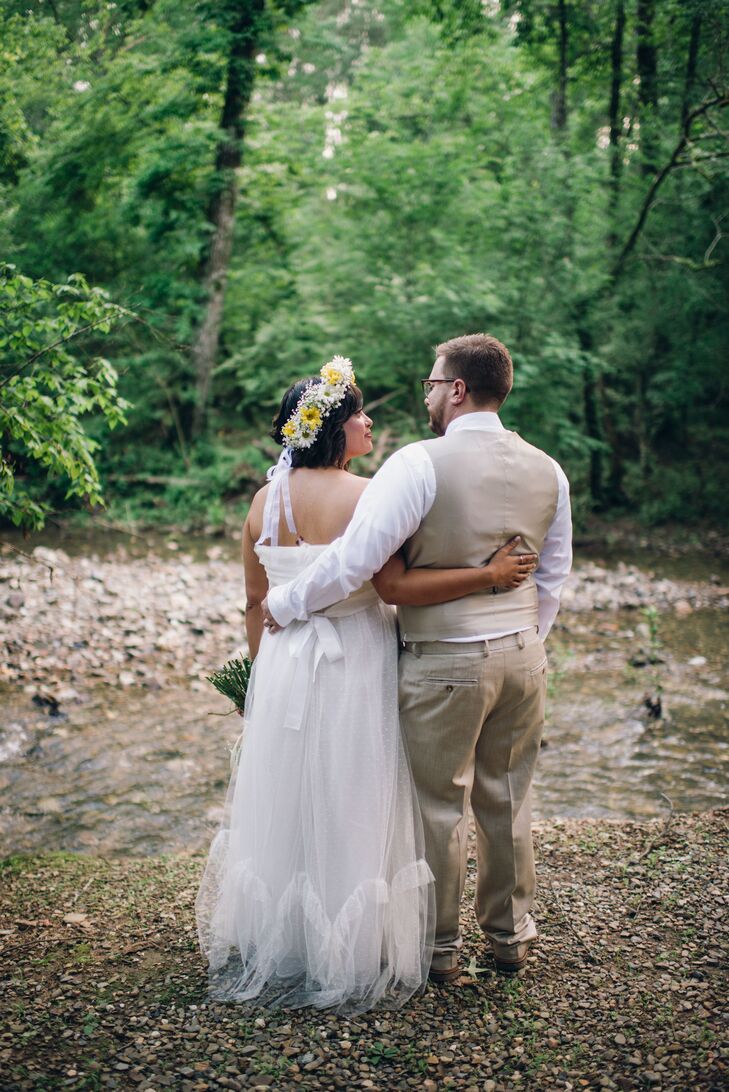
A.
pixel 144 770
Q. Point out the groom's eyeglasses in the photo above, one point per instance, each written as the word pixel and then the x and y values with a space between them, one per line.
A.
pixel 428 384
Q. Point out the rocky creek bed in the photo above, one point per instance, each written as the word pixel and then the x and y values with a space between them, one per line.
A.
pixel 69 623
pixel 111 740
pixel 103 986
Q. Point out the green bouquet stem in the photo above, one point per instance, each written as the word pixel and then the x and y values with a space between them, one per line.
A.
pixel 232 680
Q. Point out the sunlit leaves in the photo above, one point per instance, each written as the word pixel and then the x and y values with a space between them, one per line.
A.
pixel 48 385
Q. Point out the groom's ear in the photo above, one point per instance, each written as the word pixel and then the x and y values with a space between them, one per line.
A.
pixel 459 390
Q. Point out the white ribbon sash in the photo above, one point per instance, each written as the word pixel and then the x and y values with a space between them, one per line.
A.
pixel 307 643
pixel 278 491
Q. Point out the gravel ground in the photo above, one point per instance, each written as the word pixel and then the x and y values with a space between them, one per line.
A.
pixel 103 985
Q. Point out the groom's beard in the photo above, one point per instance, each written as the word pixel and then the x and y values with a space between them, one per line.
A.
pixel 435 423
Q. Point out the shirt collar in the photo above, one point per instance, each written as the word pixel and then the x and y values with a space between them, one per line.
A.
pixel 483 420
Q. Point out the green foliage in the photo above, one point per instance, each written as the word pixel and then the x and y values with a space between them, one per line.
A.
pixel 405 178
pixel 378 1053
pixel 211 487
pixel 46 390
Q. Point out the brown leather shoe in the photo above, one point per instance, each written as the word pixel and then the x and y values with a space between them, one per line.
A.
pixel 444 969
pixel 510 958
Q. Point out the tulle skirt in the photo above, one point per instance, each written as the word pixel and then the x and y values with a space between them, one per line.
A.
pixel 316 891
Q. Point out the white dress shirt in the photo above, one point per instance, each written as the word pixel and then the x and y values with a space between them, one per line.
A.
pixel 390 510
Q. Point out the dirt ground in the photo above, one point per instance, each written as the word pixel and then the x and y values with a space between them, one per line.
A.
pixel 103 985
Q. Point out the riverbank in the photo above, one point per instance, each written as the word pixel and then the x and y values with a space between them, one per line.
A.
pixel 70 623
pixel 103 985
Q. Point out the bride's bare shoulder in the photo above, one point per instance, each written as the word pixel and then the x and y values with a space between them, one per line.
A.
pixel 254 519
pixel 259 500
pixel 357 483
pixel 259 497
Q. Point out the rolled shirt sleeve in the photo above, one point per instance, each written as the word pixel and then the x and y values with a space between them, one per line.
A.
pixel 390 510
pixel 555 558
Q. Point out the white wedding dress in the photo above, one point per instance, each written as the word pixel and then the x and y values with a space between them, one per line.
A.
pixel 316 891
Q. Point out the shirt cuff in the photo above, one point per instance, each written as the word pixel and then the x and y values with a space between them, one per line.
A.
pixel 548 610
pixel 278 608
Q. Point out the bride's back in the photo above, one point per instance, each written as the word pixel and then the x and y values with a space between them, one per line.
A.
pixel 322 499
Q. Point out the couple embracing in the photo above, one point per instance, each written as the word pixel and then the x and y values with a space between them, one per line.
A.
pixel 337 876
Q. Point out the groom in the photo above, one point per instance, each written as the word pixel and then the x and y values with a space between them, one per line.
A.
pixel 472 671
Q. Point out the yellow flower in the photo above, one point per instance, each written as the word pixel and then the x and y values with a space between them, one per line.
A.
pixel 331 375
pixel 289 429
pixel 311 416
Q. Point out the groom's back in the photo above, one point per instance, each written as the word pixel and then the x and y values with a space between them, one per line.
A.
pixel 490 485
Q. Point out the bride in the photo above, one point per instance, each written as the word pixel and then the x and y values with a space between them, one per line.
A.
pixel 316 891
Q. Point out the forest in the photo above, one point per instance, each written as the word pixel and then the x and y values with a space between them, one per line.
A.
pixel 202 200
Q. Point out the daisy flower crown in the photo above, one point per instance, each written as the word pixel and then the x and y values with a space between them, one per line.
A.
pixel 317 402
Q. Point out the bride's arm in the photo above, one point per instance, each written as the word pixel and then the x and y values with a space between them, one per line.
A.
pixel 256 589
pixel 401 586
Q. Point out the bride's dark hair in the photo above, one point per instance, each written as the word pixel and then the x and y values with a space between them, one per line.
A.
pixel 329 446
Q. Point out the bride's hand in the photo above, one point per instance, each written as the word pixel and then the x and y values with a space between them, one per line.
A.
pixel 506 569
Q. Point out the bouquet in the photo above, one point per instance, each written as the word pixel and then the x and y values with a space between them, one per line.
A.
pixel 232 680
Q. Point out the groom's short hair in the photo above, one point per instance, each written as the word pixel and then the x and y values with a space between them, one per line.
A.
pixel 483 363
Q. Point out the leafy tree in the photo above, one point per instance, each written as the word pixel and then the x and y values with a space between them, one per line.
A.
pixel 46 390
pixel 270 183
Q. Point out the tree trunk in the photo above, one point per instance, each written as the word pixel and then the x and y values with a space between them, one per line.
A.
pixel 616 120
pixel 245 29
pixel 591 396
pixel 592 425
pixel 647 73
pixel 616 169
pixel 691 63
pixel 559 99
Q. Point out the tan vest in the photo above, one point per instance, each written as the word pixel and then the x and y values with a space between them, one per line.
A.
pixel 490 485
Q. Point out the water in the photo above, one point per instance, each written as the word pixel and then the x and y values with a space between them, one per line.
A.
pixel 125 772
pixel 145 772
pixel 107 540
pixel 604 756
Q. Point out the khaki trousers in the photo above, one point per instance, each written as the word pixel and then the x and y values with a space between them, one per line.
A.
pixel 472 716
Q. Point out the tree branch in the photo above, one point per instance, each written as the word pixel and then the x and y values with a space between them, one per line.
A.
pixel 678 259
pixel 702 159
pixel 54 345
pixel 720 101
pixel 717 237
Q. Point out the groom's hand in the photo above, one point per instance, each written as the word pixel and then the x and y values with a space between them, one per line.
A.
pixel 269 622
